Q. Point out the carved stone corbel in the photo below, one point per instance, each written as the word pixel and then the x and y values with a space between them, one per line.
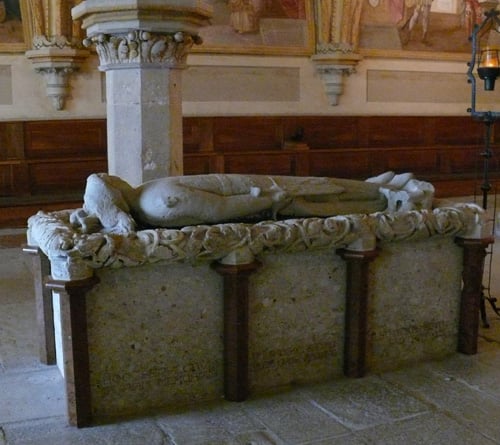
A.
pixel 337 37
pixel 333 68
pixel 56 49
pixel 57 65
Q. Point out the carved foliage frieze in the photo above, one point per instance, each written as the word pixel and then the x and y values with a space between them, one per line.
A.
pixel 54 234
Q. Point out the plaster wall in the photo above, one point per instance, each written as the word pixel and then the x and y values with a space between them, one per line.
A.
pixel 224 85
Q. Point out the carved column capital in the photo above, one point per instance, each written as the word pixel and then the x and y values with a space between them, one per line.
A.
pixel 142 49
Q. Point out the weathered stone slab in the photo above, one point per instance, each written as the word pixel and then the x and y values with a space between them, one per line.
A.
pixel 363 403
pixel 428 429
pixel 469 404
pixel 31 395
pixel 155 337
pixel 57 432
pixel 414 309
pixel 283 413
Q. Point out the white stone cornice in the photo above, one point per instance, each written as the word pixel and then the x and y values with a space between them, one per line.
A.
pixel 142 49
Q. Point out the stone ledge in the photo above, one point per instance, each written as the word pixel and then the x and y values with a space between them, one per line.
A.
pixel 78 254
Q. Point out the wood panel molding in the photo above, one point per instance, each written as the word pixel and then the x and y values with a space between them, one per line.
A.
pixel 44 162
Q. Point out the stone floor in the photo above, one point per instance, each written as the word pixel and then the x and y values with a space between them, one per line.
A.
pixel 453 401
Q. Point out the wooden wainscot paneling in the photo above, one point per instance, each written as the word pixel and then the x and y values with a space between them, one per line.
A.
pixel 63 176
pixel 13 169
pixel 241 134
pixel 261 163
pixel 62 154
pixel 458 131
pixel 47 162
pixel 417 160
pixel 14 179
pixel 463 160
pixel 342 163
pixel 11 141
pixel 396 132
pixel 65 139
pixel 325 132
pixel 198 135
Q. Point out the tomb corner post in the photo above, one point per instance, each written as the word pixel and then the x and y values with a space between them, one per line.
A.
pixel 142 48
pixel 474 253
pixel 357 289
pixel 236 384
pixel 43 304
pixel 75 346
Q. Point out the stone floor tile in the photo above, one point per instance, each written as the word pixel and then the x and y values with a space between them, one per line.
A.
pixel 57 432
pixel 455 397
pixel 31 395
pixel 251 438
pixel 16 279
pixel 212 424
pixel 18 339
pixel 293 418
pixel 256 438
pixel 361 403
pixel 426 429
pixel 480 374
pixel 349 439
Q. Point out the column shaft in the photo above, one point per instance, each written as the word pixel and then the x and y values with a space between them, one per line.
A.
pixel 356 310
pixel 236 384
pixel 144 123
pixel 75 347
pixel 44 309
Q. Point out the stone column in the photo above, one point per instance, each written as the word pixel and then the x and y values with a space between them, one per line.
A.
pixel 236 270
pixel 142 47
pixel 75 347
pixel 44 308
pixel 356 328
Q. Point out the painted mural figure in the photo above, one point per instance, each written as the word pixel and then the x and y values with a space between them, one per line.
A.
pixel 472 15
pixel 245 15
pixel 9 9
pixel 419 10
pixel 10 22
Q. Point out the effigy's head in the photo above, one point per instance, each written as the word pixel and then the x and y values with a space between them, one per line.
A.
pixel 106 199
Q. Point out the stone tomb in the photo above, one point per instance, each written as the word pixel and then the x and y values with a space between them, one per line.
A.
pixel 167 317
